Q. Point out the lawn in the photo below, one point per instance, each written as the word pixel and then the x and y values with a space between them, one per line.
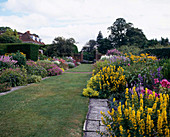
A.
pixel 82 68
pixel 53 107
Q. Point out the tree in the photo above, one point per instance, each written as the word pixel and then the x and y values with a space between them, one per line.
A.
pixel 135 37
pixel 99 37
pixel 118 32
pixel 164 42
pixel 104 45
pixel 9 36
pixel 61 47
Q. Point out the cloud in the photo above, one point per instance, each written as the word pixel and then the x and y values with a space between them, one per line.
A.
pixel 83 19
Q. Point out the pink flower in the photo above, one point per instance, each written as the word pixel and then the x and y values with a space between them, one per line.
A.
pixel 165 83
pixel 156 81
pixel 128 64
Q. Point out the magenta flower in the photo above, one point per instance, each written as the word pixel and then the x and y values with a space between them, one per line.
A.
pixel 165 83
pixel 156 81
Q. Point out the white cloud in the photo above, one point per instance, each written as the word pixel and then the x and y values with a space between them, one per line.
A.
pixel 83 19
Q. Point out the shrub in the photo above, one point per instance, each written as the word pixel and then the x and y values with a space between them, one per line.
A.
pixel 31 50
pixel 15 77
pixel 19 57
pixel 139 116
pixel 34 78
pixel 4 87
pixel 34 69
pixel 70 64
pixel 7 62
pixel 52 69
pixel 107 82
pixel 159 52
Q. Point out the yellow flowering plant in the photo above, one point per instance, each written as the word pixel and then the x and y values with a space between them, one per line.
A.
pixel 108 81
pixel 142 116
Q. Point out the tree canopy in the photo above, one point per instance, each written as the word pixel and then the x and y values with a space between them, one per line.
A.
pixel 9 35
pixel 62 47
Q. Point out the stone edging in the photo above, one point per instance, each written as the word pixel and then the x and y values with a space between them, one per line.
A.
pixel 93 121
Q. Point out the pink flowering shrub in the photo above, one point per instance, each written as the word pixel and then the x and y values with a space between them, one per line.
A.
pixel 165 83
pixel 113 52
pixel 52 69
pixel 34 69
pixel 7 62
pixel 162 86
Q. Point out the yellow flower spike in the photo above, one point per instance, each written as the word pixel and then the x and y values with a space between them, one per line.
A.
pixel 119 103
pixel 146 91
pixel 114 99
pixel 141 96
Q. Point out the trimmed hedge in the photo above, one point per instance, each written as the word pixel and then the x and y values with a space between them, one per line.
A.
pixel 31 50
pixel 160 52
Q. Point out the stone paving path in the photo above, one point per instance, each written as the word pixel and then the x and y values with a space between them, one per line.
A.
pixel 93 121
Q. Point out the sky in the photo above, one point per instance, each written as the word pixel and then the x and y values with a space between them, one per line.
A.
pixel 83 19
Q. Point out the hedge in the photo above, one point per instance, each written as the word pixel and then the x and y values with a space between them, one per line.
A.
pixel 31 50
pixel 160 52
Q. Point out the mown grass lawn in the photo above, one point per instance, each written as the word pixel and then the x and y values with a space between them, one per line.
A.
pixel 82 68
pixel 53 107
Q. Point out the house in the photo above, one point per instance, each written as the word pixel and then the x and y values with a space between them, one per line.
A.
pixel 27 37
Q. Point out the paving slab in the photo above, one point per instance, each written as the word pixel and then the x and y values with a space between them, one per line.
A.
pixel 91 134
pixel 92 125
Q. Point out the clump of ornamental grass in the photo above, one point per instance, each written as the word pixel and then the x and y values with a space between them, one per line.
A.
pixel 140 116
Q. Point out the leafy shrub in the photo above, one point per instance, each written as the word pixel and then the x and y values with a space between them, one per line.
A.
pixel 42 57
pixel 140 116
pixel 34 78
pixel 159 52
pixel 31 50
pixel 15 77
pixel 7 62
pixel 70 64
pixel 34 69
pixel 20 58
pixel 52 69
pixel 107 82
pixel 99 65
pixel 4 87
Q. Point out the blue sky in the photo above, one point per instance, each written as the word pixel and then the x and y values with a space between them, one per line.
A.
pixel 83 19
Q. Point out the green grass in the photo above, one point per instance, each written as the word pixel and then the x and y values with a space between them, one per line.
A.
pixel 53 107
pixel 81 68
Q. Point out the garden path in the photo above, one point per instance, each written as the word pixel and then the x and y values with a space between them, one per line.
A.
pixel 93 123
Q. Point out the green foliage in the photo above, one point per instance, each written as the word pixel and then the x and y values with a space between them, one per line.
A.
pixel 166 68
pixel 9 36
pixel 61 47
pixel 31 50
pixel 104 45
pixel 15 77
pixel 89 55
pixel 4 87
pixel 99 65
pixel 33 69
pixel 20 58
pixel 9 39
pixel 34 78
pixel 160 52
pixel 42 57
pixel 129 49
